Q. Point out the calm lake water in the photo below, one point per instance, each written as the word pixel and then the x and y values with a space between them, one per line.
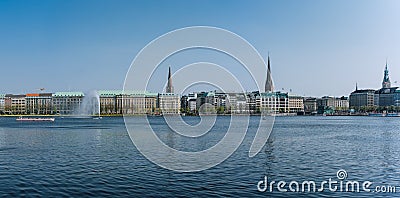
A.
pixel 86 157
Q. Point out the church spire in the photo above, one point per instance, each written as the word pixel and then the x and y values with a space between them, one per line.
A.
pixel 269 86
pixel 169 88
pixel 386 81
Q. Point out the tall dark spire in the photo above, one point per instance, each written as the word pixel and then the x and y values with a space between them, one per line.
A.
pixel 269 86
pixel 356 86
pixel 169 88
pixel 386 81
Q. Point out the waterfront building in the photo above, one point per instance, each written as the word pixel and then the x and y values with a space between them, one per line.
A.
pixel 204 98
pixel 207 102
pixel 2 103
pixel 169 103
pixel 384 97
pixel 127 102
pixel 211 98
pixel 108 101
pixel 66 102
pixel 362 98
pixel 328 104
pixel 252 101
pixel 236 103
pixel 39 103
pixel 130 103
pixel 200 99
pixel 219 100
pixel 372 100
pixel 151 102
pixel 184 104
pixel 15 104
pixel 396 98
pixel 188 103
pixel 341 104
pixel 191 102
pixel 295 104
pixel 135 102
pixel 310 105
pixel 273 102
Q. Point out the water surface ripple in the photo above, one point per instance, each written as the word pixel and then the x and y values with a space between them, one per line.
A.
pixel 86 158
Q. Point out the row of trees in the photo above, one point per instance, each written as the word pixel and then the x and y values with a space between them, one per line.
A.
pixel 366 109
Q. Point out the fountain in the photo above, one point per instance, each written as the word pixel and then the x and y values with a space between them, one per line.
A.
pixel 90 105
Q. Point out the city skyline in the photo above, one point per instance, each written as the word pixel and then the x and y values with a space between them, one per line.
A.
pixel 269 87
pixel 120 102
pixel 317 48
pixel 169 88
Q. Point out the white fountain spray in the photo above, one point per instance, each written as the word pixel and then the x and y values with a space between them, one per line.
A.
pixel 90 105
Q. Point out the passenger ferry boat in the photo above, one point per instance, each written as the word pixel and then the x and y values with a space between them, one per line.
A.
pixel 384 114
pixel 36 119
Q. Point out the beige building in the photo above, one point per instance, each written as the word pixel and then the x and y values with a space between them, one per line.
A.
pixel 336 103
pixel 236 103
pixel 14 104
pixel 136 102
pixel 2 103
pixel 169 103
pixel 39 103
pixel 108 101
pixel 273 102
pixel 310 105
pixel 295 104
pixel 66 102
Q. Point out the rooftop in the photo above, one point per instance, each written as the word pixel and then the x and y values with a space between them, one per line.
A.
pixel 276 94
pixel 112 93
pixel 68 94
pixel 363 90
pixel 105 93
pixel 34 95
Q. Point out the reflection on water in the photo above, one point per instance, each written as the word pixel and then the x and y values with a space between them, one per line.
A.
pixel 85 157
pixel 2 138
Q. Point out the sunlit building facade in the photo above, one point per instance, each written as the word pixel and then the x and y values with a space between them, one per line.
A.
pixel 66 102
pixel 273 102
pixel 136 102
pixel 39 103
pixel 169 103
pixel 2 103
pixel 15 104
pixel 295 104
pixel 310 105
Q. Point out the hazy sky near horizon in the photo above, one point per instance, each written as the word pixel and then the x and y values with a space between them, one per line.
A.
pixel 317 47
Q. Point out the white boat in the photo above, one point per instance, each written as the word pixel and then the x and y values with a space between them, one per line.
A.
pixel 377 114
pixel 36 119
pixel 384 114
pixel 392 115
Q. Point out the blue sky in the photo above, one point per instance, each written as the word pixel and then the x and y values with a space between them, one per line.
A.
pixel 317 47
